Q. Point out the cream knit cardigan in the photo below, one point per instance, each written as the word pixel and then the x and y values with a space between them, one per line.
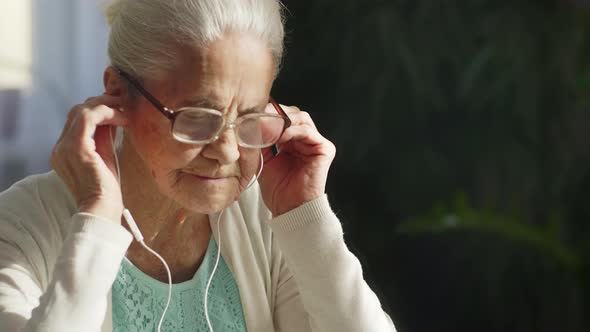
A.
pixel 294 272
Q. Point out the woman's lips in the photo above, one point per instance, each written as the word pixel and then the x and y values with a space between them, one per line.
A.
pixel 207 178
pixel 210 178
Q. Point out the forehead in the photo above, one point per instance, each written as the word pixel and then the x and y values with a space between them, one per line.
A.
pixel 234 70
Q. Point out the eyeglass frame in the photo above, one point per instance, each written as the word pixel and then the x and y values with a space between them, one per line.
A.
pixel 171 114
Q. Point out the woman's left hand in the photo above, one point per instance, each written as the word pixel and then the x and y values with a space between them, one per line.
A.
pixel 298 173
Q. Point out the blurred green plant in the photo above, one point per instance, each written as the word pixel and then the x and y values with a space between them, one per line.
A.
pixel 461 216
pixel 457 223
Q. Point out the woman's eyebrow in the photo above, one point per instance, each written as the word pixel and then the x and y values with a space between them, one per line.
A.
pixel 201 102
pixel 207 103
pixel 255 109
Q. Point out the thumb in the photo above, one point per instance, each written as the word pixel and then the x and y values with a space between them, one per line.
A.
pixel 104 145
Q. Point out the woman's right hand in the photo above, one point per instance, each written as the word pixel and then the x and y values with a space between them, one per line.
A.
pixel 83 156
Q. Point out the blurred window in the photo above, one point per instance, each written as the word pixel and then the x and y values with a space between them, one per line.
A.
pixel 15 77
pixel 9 113
pixel 15 44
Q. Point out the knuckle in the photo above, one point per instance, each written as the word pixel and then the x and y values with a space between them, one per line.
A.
pixel 86 112
pixel 304 117
pixel 86 115
pixel 330 148
pixel 333 148
pixel 101 108
pixel 304 127
pixel 74 111
pixel 85 157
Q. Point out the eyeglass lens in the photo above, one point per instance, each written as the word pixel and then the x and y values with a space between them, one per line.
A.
pixel 197 125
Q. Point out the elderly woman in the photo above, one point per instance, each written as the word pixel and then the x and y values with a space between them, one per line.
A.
pixel 223 182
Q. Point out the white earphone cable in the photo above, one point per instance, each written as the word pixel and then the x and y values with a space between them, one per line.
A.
pixel 213 273
pixel 139 237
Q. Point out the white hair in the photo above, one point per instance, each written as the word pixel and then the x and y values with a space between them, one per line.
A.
pixel 144 33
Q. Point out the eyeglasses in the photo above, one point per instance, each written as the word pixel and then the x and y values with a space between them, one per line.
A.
pixel 198 125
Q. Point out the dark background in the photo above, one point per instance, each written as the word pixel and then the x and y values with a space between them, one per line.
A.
pixel 462 176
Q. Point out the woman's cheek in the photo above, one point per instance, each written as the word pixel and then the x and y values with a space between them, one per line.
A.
pixel 148 137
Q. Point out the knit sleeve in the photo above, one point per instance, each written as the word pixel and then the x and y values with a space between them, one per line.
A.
pixel 323 288
pixel 75 299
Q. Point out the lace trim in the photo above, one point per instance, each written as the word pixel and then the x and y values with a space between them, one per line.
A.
pixel 138 300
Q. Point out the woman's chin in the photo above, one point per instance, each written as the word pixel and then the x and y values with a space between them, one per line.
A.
pixel 209 206
pixel 206 199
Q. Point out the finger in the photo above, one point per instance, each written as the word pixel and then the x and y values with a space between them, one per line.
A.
pixel 303 149
pixel 290 109
pixel 91 102
pixel 104 99
pixel 306 140
pixel 303 131
pixel 298 116
pixel 89 119
pixel 104 145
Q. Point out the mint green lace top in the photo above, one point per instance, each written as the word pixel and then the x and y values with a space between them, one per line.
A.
pixel 138 300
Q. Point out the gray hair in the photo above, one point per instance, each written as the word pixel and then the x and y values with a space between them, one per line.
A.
pixel 143 32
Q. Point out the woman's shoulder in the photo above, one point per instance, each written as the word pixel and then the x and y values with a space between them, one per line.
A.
pixel 36 203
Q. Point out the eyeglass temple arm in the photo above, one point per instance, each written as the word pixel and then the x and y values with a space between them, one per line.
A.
pixel 163 109
pixel 281 111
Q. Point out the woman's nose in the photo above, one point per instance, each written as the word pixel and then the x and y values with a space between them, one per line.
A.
pixel 225 148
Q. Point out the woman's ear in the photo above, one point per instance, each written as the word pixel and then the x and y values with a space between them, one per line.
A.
pixel 113 82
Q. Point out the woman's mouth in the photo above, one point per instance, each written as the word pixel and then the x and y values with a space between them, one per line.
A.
pixel 207 178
